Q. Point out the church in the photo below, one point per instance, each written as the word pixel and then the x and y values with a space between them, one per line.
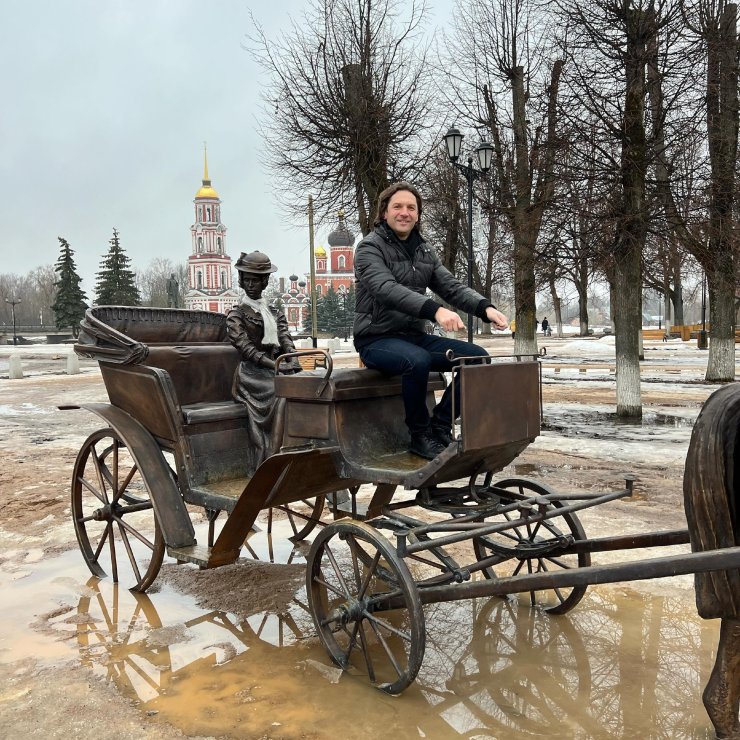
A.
pixel 210 271
pixel 211 284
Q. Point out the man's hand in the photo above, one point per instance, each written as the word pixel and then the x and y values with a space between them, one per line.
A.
pixel 448 320
pixel 497 318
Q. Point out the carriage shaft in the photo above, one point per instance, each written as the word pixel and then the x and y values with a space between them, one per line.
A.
pixel 664 567
pixel 629 542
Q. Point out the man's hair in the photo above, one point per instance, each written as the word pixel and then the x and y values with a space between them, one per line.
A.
pixel 385 198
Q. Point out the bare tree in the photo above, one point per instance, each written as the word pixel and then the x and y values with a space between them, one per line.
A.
pixel 152 281
pixel 507 78
pixel 714 22
pixel 611 44
pixel 346 102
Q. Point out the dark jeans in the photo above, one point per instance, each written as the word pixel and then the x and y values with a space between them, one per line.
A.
pixel 413 357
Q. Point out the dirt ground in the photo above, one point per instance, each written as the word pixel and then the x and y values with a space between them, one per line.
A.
pixel 41 696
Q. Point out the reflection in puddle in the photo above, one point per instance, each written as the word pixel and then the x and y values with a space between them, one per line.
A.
pixel 623 664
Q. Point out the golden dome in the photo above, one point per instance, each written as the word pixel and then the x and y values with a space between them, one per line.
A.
pixel 206 191
pixel 320 251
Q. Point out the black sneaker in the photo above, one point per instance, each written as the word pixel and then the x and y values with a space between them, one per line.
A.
pixel 442 435
pixel 424 445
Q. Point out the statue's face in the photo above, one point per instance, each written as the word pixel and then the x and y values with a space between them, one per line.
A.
pixel 253 284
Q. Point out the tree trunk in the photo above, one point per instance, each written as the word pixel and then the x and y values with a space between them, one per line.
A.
pixel 722 130
pixel 632 226
pixel 557 306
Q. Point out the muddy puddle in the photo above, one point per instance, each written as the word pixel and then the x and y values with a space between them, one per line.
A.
pixel 593 423
pixel 624 663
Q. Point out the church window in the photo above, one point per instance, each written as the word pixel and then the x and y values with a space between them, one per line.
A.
pixel 199 280
pixel 223 278
pixel 208 210
pixel 341 262
pixel 200 243
pixel 218 241
pixel 318 289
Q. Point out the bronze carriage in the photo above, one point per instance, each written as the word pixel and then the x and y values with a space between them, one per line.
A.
pixel 343 465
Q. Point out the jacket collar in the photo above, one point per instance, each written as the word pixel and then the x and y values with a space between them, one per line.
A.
pixel 390 236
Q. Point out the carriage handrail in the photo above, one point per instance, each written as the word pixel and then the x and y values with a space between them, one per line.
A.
pixel 303 352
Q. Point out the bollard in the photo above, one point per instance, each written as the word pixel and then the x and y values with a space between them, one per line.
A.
pixel 73 364
pixel 15 371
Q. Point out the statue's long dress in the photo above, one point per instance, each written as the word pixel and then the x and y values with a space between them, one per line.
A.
pixel 712 498
pixel 254 384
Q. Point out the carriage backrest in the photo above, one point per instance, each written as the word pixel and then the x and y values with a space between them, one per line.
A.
pixel 200 373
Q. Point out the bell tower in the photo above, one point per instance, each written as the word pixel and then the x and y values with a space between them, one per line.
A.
pixel 209 266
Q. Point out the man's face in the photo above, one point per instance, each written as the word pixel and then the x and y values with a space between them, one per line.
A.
pixel 402 213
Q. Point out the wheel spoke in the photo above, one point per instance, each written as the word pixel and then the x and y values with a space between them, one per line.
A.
pixel 129 551
pixel 269 521
pixel 366 654
pixel 382 623
pixel 369 575
pixel 99 548
pixel 95 492
pixel 338 573
pixel 134 532
pixel 99 472
pixel 114 563
pixel 352 641
pixel 329 587
pixel 387 649
pixel 129 477
pixel 355 565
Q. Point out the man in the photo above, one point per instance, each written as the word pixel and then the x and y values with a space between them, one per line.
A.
pixel 394 267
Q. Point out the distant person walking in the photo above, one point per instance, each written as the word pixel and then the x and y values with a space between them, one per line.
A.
pixel 546 331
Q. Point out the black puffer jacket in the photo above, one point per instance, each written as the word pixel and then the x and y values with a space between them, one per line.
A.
pixel 391 286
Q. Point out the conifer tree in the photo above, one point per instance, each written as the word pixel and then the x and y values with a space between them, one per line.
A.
pixel 69 305
pixel 115 284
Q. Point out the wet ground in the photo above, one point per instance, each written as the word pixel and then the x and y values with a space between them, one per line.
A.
pixel 233 652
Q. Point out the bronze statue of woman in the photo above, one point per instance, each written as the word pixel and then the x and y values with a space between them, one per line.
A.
pixel 260 333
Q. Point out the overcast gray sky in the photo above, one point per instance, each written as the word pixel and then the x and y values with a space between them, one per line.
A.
pixel 106 104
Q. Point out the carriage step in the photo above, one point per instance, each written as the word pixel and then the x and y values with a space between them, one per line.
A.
pixel 202 556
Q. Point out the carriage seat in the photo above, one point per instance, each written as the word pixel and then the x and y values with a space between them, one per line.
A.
pixel 345 384
pixel 202 375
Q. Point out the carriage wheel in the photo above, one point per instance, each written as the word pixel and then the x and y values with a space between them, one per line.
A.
pixel 301 523
pixel 532 534
pixel 112 512
pixel 363 621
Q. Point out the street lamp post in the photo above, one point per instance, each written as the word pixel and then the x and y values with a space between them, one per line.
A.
pixel 484 154
pixel 13 303
pixel 701 342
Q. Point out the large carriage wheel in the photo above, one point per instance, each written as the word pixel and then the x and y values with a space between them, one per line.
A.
pixel 364 621
pixel 512 545
pixel 112 512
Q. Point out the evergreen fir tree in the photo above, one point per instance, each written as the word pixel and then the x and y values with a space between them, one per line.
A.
pixel 69 304
pixel 115 284
pixel 329 313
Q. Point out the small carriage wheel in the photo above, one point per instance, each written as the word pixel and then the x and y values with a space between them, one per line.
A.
pixel 555 600
pixel 363 621
pixel 113 515
pixel 310 521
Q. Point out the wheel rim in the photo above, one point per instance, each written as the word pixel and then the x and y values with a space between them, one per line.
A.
pixel 555 600
pixel 365 623
pixel 113 515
